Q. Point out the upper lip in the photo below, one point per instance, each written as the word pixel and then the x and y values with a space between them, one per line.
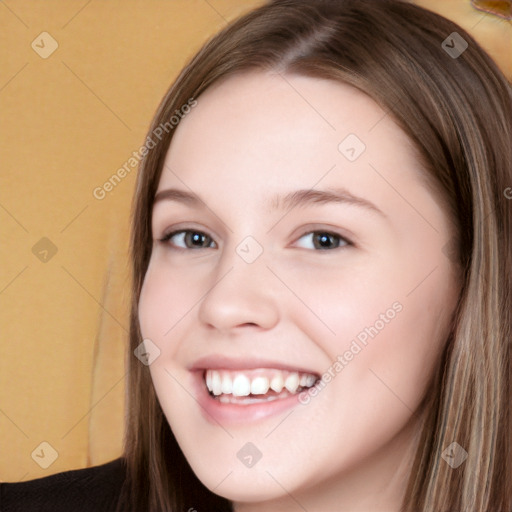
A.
pixel 220 362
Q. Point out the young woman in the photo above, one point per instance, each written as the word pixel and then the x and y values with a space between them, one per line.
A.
pixel 388 131
pixel 322 250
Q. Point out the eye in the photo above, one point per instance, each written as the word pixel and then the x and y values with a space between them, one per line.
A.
pixel 189 239
pixel 194 239
pixel 324 240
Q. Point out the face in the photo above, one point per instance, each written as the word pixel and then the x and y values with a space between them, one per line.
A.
pixel 297 291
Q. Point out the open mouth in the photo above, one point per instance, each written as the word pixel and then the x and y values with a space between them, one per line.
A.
pixel 256 385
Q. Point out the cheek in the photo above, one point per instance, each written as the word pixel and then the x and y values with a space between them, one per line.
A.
pixel 399 360
pixel 342 303
pixel 332 296
pixel 166 298
pixel 164 304
pixel 387 339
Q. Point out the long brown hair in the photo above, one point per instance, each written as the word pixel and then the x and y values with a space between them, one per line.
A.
pixel 457 111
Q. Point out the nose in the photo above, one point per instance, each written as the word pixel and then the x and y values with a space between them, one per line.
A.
pixel 240 294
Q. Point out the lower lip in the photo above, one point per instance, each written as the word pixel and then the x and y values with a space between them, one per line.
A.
pixel 217 412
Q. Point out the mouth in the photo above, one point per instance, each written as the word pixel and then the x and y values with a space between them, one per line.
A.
pixel 256 386
pixel 242 391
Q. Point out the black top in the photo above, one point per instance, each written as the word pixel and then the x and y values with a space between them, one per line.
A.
pixel 94 489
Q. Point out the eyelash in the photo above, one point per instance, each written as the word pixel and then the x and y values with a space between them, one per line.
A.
pixel 346 241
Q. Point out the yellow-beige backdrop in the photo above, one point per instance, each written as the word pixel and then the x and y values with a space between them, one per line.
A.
pixel 79 83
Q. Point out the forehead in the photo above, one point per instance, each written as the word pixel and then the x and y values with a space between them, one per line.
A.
pixel 268 101
pixel 261 122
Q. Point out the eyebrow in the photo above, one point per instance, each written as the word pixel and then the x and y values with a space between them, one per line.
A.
pixel 298 198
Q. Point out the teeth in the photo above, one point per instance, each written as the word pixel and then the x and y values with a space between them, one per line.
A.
pixel 256 382
pixel 306 381
pixel 227 383
pixel 259 386
pixel 241 386
pixel 277 383
pixel 216 383
pixel 229 399
pixel 292 382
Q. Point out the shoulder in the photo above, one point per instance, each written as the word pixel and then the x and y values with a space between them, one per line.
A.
pixel 82 490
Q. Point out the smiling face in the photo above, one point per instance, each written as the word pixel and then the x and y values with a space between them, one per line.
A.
pixel 263 290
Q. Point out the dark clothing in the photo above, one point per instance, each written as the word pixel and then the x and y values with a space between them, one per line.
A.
pixel 95 489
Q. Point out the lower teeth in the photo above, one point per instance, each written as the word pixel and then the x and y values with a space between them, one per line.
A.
pixel 230 399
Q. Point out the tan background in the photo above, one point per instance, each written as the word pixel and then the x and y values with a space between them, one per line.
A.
pixel 68 122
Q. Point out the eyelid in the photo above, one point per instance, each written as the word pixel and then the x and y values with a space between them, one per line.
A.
pixel 177 228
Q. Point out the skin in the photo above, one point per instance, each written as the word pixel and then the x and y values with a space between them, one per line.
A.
pixel 252 136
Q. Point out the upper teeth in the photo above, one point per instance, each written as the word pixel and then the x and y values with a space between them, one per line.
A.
pixel 256 382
